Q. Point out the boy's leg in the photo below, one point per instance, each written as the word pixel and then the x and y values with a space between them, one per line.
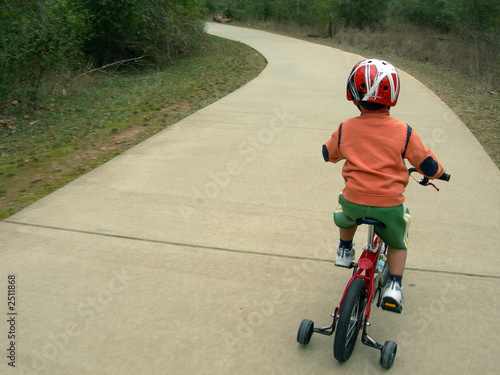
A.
pixel 396 260
pixel 347 234
pixel 393 296
pixel 345 252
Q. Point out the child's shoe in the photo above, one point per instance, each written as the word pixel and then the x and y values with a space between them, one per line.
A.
pixel 345 257
pixel 393 297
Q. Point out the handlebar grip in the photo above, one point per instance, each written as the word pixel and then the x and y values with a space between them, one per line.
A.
pixel 445 177
pixel 411 170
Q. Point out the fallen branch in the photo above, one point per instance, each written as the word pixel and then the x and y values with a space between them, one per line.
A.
pixel 115 63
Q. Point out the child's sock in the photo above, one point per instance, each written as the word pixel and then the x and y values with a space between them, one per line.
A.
pixel 346 244
pixel 399 279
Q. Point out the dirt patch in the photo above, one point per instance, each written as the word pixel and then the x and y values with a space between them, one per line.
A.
pixel 39 179
pixel 42 178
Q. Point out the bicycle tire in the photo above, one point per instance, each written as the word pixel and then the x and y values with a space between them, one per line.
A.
pixel 305 332
pixel 349 321
pixel 388 354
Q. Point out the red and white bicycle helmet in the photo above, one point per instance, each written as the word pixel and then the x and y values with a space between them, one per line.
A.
pixel 374 81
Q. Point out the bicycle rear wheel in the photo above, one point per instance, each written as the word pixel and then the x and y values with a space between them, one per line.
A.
pixel 349 322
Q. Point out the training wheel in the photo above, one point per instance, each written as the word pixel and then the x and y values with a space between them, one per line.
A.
pixel 388 354
pixel 305 332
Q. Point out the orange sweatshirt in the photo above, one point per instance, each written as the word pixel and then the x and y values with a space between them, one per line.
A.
pixel 374 146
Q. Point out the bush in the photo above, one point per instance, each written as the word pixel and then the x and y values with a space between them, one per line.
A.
pixel 131 28
pixel 429 13
pixel 453 15
pixel 35 38
pixel 43 39
pixel 363 13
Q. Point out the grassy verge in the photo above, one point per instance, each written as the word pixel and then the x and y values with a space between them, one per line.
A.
pixel 99 116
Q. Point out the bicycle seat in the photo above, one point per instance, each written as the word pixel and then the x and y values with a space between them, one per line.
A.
pixel 367 220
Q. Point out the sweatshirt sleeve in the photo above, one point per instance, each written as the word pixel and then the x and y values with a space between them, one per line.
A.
pixel 422 157
pixel 331 149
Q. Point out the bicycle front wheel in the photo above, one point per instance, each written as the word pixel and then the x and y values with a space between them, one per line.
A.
pixel 349 321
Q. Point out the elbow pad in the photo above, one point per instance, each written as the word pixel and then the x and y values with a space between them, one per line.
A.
pixel 429 166
pixel 326 156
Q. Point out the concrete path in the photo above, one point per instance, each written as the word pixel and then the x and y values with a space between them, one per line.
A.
pixel 200 250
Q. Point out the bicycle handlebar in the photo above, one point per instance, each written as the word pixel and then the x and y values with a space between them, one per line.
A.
pixel 425 180
pixel 444 176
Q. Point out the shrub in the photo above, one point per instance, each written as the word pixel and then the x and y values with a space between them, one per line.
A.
pixel 363 13
pixel 132 28
pixel 40 40
pixel 35 38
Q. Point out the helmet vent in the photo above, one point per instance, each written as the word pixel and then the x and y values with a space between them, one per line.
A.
pixel 374 81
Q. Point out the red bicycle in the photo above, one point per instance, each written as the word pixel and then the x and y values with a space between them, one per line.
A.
pixel 370 276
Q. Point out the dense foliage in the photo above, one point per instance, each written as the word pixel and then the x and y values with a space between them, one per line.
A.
pixel 445 15
pixel 40 39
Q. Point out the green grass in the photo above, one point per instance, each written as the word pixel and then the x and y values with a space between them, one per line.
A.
pixel 98 116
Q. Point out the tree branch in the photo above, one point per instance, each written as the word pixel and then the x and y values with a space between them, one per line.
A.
pixel 115 63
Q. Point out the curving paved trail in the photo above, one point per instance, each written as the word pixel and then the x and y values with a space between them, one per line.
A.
pixel 200 250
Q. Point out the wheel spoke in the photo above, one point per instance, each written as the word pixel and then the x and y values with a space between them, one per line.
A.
pixel 353 323
pixel 348 324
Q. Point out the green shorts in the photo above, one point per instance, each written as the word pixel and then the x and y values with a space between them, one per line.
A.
pixel 396 220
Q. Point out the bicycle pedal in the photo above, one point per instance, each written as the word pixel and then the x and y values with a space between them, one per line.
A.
pixel 352 265
pixel 393 307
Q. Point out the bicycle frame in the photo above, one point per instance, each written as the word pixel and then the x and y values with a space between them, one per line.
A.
pixel 365 269
pixel 358 298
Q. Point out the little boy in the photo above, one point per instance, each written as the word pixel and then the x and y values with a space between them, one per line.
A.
pixel 374 146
